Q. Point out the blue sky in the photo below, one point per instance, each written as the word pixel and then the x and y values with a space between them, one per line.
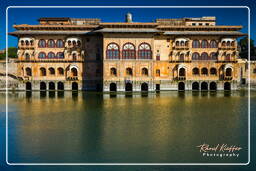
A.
pixel 225 16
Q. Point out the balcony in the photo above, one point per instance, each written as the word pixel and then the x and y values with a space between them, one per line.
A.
pixel 227 78
pixel 181 47
pixel 180 78
pixel 72 78
pixel 23 47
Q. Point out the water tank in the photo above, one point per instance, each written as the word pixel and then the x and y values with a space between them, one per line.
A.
pixel 128 17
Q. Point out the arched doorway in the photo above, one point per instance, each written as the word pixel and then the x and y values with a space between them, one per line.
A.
pixel 181 86
pixel 112 87
pixel 75 86
pixel 157 87
pixel 42 86
pixel 128 87
pixel 182 72
pixel 227 86
pixel 195 86
pixel 60 86
pixel 144 87
pixel 213 86
pixel 204 86
pixel 28 86
pixel 51 86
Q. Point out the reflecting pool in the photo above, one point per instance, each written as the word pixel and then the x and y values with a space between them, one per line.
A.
pixel 90 127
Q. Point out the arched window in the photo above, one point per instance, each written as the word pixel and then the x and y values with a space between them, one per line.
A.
pixel 195 44
pixel 74 43
pixel 113 72
pixel 182 58
pixel 195 56
pixel 74 72
pixel 227 57
pixel 28 72
pixel 223 43
pixel 177 43
pixel 204 71
pixel 128 51
pixel 144 71
pixel 182 43
pixel 60 43
pixel 182 72
pixel 31 42
pixel 228 72
pixel 27 42
pixel 204 44
pixel 144 51
pixel 213 44
pixel 228 43
pixel 78 43
pixel 22 43
pixel 42 43
pixel 214 56
pixel 195 71
pixel 51 55
pixel 158 72
pixel 213 71
pixel 186 43
pixel 60 55
pixel 69 43
pixel 204 56
pixel 60 71
pixel 113 51
pixel 233 43
pixel 42 72
pixel 51 43
pixel 51 71
pixel 41 55
pixel 129 71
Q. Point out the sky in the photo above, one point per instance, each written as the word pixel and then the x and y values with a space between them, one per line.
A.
pixel 225 16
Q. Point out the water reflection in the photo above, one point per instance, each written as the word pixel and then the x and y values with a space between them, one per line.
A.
pixel 125 127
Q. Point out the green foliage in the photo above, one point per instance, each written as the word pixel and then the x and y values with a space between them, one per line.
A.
pixel 12 53
pixel 243 43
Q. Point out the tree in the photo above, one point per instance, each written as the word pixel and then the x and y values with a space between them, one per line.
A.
pixel 243 43
pixel 12 53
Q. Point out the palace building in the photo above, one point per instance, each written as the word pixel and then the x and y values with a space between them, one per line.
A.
pixel 167 54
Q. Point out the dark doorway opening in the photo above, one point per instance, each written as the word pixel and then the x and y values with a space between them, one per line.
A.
pixel 181 86
pixel 213 86
pixel 28 86
pixel 195 86
pixel 112 87
pixel 144 87
pixel 128 87
pixel 204 86
pixel 157 87
pixel 51 86
pixel 60 86
pixel 74 86
pixel 227 86
pixel 42 86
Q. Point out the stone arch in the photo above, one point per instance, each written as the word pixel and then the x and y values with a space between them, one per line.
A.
pixel 181 86
pixel 195 86
pixel 43 86
pixel 144 87
pixel 213 86
pixel 204 86
pixel 112 87
pixel 128 86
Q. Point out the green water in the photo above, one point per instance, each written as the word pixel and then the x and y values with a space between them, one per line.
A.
pixel 135 128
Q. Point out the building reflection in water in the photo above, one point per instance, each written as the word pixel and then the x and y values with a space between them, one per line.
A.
pixel 133 127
